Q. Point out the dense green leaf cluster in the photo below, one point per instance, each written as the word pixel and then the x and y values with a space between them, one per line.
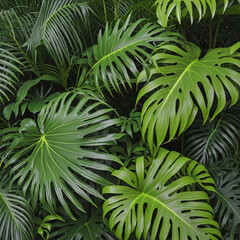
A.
pixel 119 119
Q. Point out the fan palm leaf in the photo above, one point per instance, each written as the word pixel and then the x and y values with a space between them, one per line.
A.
pixel 155 201
pixel 55 156
pixel 183 82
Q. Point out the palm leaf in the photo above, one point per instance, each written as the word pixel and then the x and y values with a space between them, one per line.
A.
pixel 156 201
pixel 15 213
pixel 57 27
pixel 216 140
pixel 181 82
pixel 166 7
pixel 8 70
pixel 119 52
pixel 56 154
pixel 227 205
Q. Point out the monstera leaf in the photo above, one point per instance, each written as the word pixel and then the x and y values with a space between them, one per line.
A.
pixel 227 205
pixel 156 200
pixel 57 154
pixel 181 82
pixel 166 7
pixel 116 51
pixel 16 218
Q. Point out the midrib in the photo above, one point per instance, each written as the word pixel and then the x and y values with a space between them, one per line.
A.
pixel 174 86
pixel 166 207
pixel 112 53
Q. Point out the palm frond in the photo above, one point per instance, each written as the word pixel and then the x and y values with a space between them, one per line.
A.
pixel 8 70
pixel 87 226
pixel 15 213
pixel 216 140
pixel 58 28
pixel 227 201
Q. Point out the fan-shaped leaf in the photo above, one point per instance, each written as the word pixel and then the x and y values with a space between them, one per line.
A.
pixel 156 201
pixel 182 82
pixel 56 155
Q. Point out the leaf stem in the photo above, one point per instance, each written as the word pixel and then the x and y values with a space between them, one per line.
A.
pixel 210 34
pixel 216 33
pixel 105 11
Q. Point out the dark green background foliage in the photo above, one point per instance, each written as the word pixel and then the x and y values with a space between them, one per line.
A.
pixel 119 119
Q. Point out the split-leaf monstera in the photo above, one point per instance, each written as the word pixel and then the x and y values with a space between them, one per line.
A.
pixel 56 152
pixel 156 201
pixel 183 82
pixel 116 50
pixel 166 7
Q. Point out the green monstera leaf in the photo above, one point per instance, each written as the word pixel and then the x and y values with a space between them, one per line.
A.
pixel 120 51
pixel 166 7
pixel 181 83
pixel 162 198
pixel 57 154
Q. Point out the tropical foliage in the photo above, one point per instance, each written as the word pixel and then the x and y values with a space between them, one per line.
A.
pixel 120 119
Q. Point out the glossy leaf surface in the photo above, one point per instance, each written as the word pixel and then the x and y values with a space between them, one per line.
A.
pixel 57 154
pixel 154 200
pixel 183 83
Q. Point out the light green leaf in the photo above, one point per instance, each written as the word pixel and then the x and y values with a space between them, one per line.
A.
pixel 166 7
pixel 56 155
pixel 119 51
pixel 181 83
pixel 155 201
